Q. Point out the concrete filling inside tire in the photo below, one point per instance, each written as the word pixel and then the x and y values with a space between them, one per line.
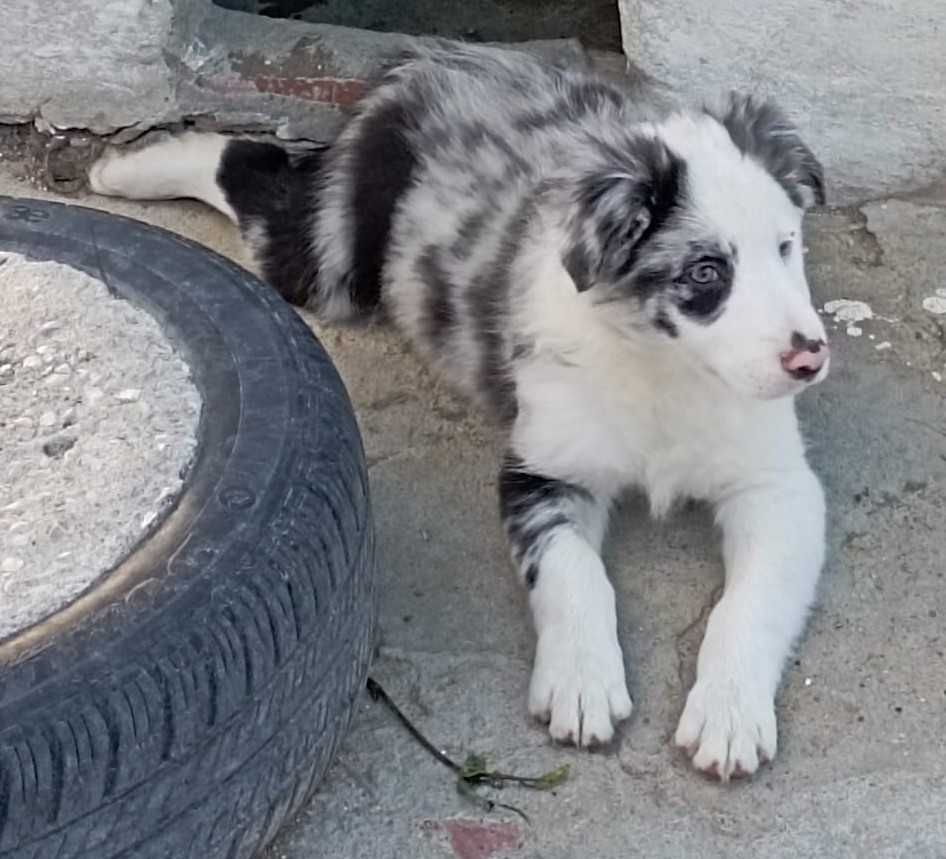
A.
pixel 98 425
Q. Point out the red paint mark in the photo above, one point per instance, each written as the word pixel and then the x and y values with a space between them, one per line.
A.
pixel 471 839
pixel 339 91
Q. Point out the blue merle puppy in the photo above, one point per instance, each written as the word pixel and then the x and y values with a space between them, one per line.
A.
pixel 622 287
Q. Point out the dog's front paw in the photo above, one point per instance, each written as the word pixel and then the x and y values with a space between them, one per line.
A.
pixel 578 687
pixel 728 729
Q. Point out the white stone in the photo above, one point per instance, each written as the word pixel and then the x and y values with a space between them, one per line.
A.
pixel 935 304
pixel 50 69
pixel 128 395
pixel 848 310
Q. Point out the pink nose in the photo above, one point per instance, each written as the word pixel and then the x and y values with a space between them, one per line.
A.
pixel 805 358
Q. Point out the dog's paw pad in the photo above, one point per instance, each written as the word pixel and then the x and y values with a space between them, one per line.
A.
pixel 580 692
pixel 727 731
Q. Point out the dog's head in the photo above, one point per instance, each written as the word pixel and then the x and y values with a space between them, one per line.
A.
pixel 692 232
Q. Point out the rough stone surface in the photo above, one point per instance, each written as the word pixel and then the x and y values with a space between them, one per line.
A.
pixel 98 422
pixel 861 769
pixel 130 65
pixel 86 64
pixel 865 81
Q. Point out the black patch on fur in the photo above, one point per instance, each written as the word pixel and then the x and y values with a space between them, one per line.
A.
pixel 761 131
pixel 704 302
pixel 664 323
pixel 651 280
pixel 275 193
pixel 522 496
pixel 580 99
pixel 489 294
pixel 705 305
pixel 469 231
pixel 440 316
pixel 383 165
pixel 577 262
pixel 477 134
pixel 626 204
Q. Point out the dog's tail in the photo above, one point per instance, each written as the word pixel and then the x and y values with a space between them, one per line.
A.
pixel 269 193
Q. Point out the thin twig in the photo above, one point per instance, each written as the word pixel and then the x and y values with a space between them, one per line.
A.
pixel 376 691
pixel 474 772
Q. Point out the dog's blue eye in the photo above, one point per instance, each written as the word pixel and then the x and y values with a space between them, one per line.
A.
pixel 704 272
pixel 785 249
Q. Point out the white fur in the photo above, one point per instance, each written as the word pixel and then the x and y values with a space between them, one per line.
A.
pixel 578 682
pixel 606 401
pixel 712 420
pixel 175 166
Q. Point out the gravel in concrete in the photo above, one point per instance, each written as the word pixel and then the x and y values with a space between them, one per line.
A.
pixel 98 422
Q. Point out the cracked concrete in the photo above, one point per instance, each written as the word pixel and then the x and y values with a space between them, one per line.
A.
pixel 862 761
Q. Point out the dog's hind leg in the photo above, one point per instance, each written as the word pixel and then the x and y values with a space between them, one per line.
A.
pixel 269 193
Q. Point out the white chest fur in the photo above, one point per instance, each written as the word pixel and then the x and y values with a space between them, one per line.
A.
pixel 622 422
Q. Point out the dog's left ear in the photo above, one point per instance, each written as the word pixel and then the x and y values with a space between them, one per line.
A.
pixel 615 206
pixel 763 132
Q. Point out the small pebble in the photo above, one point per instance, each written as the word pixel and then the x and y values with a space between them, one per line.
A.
pixel 880 347
pixel 808 681
pixel 56 447
pixel 11 565
pixel 30 362
pixel 47 419
pixel 49 327
pixel 937 375
pixel 6 370
pixel 128 395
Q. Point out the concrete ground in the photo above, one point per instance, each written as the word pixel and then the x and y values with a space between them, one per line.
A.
pixel 862 763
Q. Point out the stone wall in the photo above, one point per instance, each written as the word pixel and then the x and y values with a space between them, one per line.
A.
pixel 865 79
pixel 121 67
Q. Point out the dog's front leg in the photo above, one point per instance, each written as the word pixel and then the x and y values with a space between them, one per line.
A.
pixel 773 548
pixel 555 530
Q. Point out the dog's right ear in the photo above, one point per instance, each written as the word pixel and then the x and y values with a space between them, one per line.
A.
pixel 616 207
pixel 763 132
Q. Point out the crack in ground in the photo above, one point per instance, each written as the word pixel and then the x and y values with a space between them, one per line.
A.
pixel 681 645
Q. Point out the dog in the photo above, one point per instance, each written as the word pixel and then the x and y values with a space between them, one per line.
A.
pixel 621 287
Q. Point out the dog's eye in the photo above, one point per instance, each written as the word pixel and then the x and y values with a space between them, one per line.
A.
pixel 785 249
pixel 704 272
